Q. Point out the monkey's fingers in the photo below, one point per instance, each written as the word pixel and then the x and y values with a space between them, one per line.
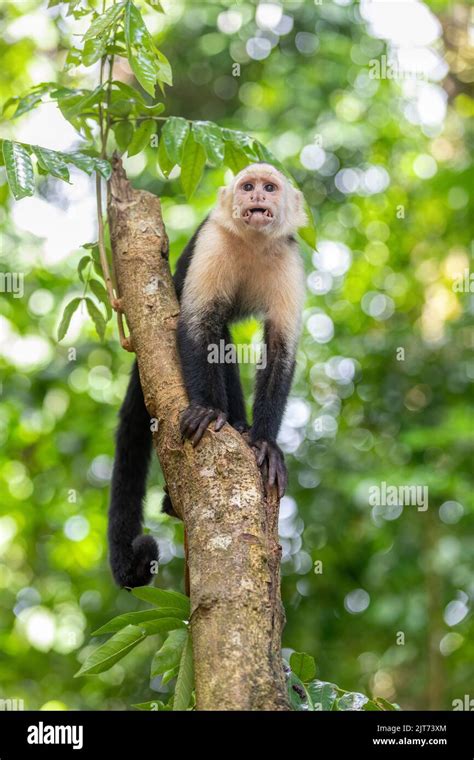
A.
pixel 191 419
pixel 220 422
pixel 282 477
pixel 272 466
pixel 260 449
pixel 205 420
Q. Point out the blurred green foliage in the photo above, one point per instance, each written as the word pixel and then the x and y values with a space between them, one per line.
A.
pixel 380 596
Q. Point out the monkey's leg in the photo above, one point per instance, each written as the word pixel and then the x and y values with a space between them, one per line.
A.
pixel 204 379
pixel 272 389
pixel 235 397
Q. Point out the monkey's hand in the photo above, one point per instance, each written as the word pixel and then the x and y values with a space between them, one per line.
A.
pixel 195 420
pixel 271 461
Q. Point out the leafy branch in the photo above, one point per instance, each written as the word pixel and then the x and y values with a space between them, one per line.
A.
pixel 172 662
pixel 132 115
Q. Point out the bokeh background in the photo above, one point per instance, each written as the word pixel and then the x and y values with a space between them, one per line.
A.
pixel 383 389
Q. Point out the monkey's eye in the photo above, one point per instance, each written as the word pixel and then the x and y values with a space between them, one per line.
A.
pixel 247 187
pixel 269 188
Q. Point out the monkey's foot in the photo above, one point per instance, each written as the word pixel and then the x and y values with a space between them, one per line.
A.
pixel 271 461
pixel 195 420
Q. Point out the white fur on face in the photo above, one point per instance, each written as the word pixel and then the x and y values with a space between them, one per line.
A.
pixel 282 211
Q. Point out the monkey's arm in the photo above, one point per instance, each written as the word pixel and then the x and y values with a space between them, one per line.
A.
pixel 204 381
pixel 272 389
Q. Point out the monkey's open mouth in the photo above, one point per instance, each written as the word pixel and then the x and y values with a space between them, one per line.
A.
pixel 257 215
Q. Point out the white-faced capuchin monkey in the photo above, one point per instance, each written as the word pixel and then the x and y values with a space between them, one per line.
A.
pixel 243 260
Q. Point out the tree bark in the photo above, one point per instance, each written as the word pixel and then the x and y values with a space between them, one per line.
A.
pixel 231 522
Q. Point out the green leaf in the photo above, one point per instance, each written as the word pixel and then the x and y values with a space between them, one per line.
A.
pixel 265 154
pixel 154 705
pixel 383 704
pixel 123 90
pixel 192 165
pixel 136 618
pixel 174 134
pixel 156 4
pixel 94 249
pixel 19 169
pixel 169 656
pixel 123 132
pixel 73 58
pixel 308 233
pixel 372 706
pixel 75 10
pixel 240 139
pixel 164 161
pixel 121 107
pixel 168 675
pixel 235 158
pixel 303 666
pixel 96 317
pixel 161 625
pixel 67 316
pixel 84 262
pixel 185 682
pixel 141 137
pixel 163 68
pixel 94 49
pixel 52 162
pixel 209 136
pixel 143 66
pixel 88 164
pixel 112 651
pixel 73 103
pixel 322 694
pixel 296 693
pixel 101 294
pixel 140 49
pixel 104 21
pixel 154 110
pixel 164 599
pixel 352 701
pixel 27 102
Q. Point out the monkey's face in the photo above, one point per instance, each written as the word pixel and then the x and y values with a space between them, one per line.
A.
pixel 257 199
pixel 260 200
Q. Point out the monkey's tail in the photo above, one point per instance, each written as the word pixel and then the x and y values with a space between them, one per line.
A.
pixel 131 554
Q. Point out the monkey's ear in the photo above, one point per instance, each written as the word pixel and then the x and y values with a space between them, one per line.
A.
pixel 223 194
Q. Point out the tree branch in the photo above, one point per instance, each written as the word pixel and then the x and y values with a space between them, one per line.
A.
pixel 231 523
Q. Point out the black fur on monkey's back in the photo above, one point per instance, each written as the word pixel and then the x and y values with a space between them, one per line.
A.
pixel 131 554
